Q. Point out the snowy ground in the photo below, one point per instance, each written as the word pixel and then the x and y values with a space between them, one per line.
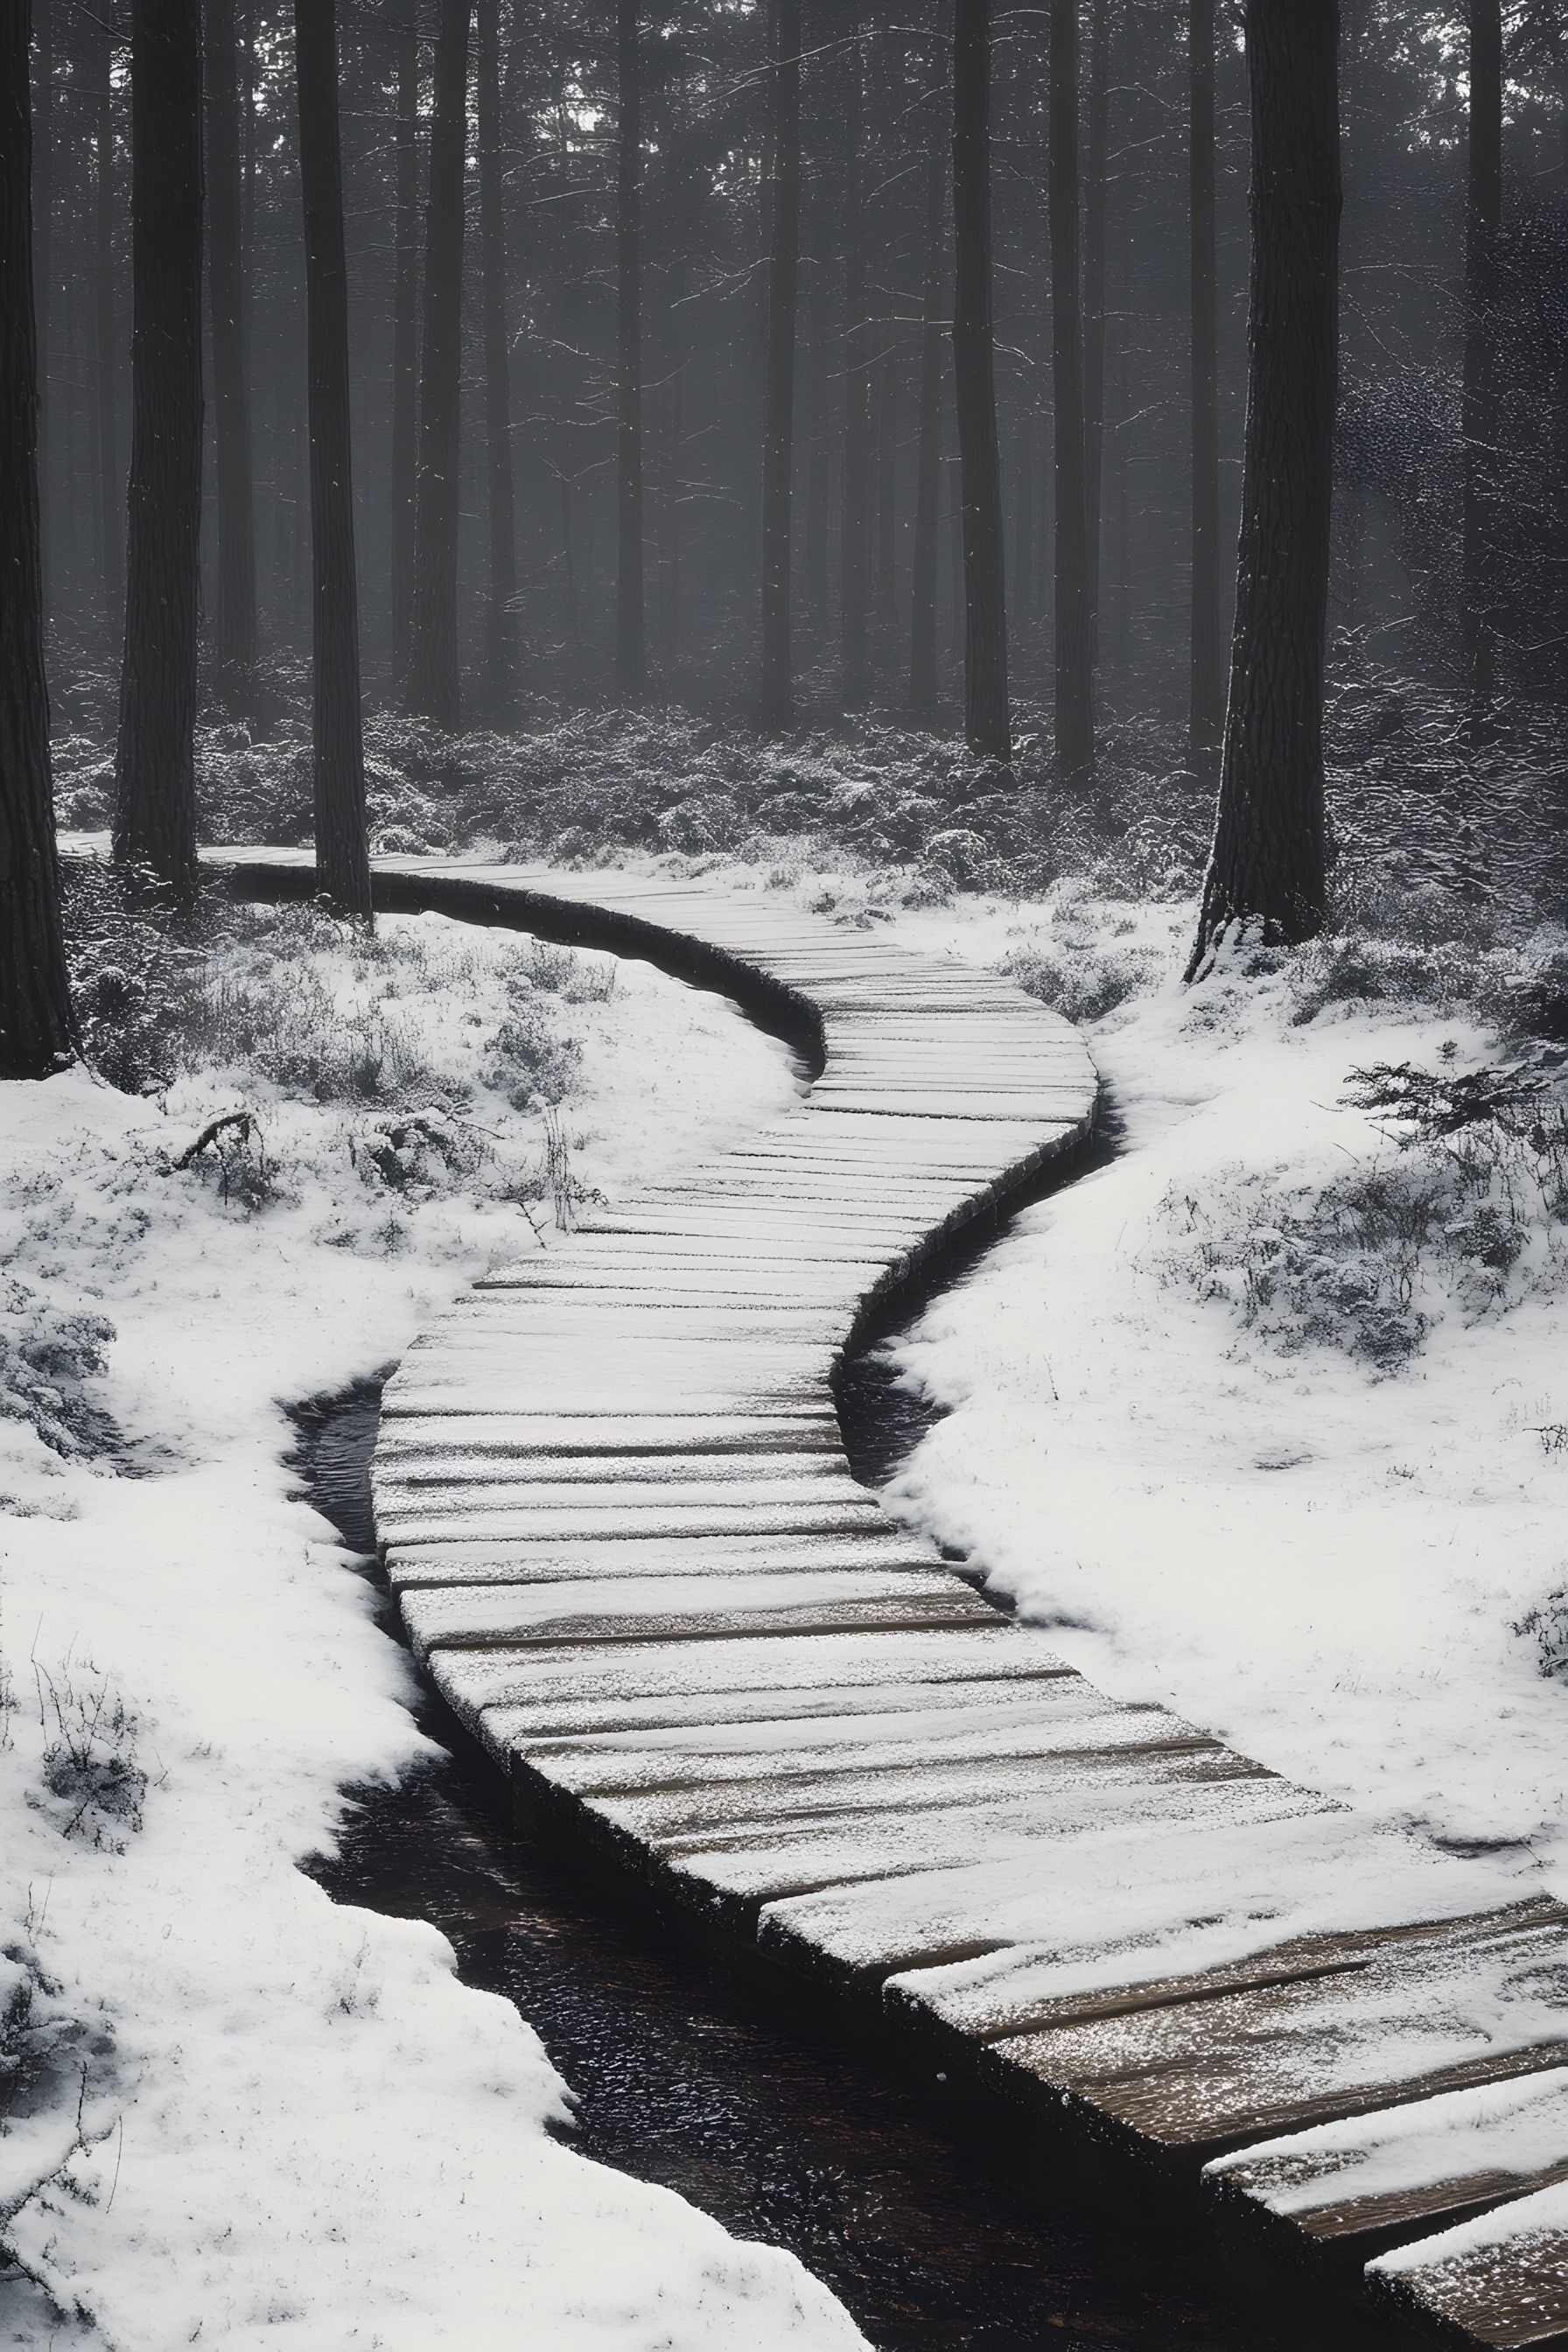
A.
pixel 234 2112
pixel 1343 1553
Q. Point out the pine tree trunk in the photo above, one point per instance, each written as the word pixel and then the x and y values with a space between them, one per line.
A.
pixel 1206 699
pixel 1483 226
pixel 1095 213
pixel 343 859
pixel 928 459
pixel 435 689
pixel 778 445
pixel 500 621
pixel 631 653
pixel 987 717
pixel 43 136
pixel 155 793
pixel 112 570
pixel 819 465
pixel 236 645
pixel 404 343
pixel 886 600
pixel 36 1030
pixel 855 500
pixel 1266 872
pixel 1074 613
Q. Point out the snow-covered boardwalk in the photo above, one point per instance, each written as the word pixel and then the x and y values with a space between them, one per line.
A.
pixel 629 1548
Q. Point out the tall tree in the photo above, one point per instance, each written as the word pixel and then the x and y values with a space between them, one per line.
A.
pixel 36 1032
pixel 1096 212
pixel 1205 694
pixel 1265 871
pixel 44 270
pixel 1483 227
pixel 111 571
pixel 342 861
pixel 434 689
pixel 404 339
pixel 501 618
pixel 154 774
pixel 855 516
pixel 631 653
pixel 1074 612
pixel 987 712
pixel 231 380
pixel 778 438
pixel 927 457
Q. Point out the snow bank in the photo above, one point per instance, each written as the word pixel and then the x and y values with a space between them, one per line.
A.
pixel 238 2112
pixel 1350 1572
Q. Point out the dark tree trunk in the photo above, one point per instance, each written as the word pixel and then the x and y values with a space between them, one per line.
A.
pixel 36 1032
pixel 1483 225
pixel 928 459
pixel 1206 699
pixel 1074 613
pixel 1266 870
pixel 112 570
pixel 235 647
pixel 631 653
pixel 501 621
pixel 342 860
pixel 404 343
pixel 43 136
pixel 1096 208
pixel 855 498
pixel 886 604
pixel 819 467
pixel 987 717
pixel 155 788
pixel 1024 537
pixel 778 443
pixel 434 685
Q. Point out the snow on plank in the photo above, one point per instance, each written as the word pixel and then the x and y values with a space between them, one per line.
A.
pixel 1500 2281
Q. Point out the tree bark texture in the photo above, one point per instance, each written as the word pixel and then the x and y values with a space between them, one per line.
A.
pixel 434 689
pixel 155 794
pixel 1483 226
pixel 500 620
pixel 987 717
pixel 1205 695
pixel 1096 213
pixel 1074 681
pixel 36 1031
pixel 855 518
pixel 777 698
pixel 631 651
pixel 236 635
pixel 404 343
pixel 1266 874
pixel 43 136
pixel 343 859
pixel 928 458
pixel 111 569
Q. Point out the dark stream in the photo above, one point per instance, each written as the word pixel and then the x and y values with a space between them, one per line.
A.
pixel 935 2223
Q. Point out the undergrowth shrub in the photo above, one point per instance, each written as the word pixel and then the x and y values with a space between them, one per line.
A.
pixel 93 1781
pixel 47 1355
pixel 1470 1214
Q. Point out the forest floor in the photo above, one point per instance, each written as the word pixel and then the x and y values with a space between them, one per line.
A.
pixel 1265 1417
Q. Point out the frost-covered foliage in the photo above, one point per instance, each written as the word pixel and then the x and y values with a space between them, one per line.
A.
pixel 1468 1215
pixel 93 1783
pixel 47 1355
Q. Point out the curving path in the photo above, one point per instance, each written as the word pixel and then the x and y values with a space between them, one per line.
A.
pixel 628 1549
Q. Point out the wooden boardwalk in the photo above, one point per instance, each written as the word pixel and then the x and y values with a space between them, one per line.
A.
pixel 629 1550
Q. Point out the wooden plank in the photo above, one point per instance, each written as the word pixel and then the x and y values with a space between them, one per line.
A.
pixel 1500 2282
pixel 1468 2004
pixel 1377 2177
pixel 498 1617
pixel 482 1561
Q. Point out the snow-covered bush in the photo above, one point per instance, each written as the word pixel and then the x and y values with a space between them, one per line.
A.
pixel 47 1355
pixel 93 1783
pixel 1470 1216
